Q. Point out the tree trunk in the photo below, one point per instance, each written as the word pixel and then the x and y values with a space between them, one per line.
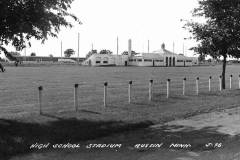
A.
pixel 223 71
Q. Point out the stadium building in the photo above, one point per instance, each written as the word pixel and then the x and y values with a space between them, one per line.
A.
pixel 161 57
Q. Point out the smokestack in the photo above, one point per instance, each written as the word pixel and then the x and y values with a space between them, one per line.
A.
pixel 163 46
pixel 129 48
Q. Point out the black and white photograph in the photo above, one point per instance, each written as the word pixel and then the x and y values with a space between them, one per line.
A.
pixel 120 79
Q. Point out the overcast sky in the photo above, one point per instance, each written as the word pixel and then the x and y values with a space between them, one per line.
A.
pixel 139 20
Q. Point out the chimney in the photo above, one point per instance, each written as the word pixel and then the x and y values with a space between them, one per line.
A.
pixel 129 48
pixel 163 46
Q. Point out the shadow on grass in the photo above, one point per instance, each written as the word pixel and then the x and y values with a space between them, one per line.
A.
pixel 172 136
pixel 17 137
pixel 197 138
pixel 88 111
pixel 121 108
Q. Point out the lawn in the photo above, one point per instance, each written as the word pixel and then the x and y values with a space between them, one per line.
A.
pixel 21 125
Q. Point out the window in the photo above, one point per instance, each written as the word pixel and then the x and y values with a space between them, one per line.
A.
pixel 147 60
pixel 188 60
pixel 179 60
pixel 158 60
pixel 139 60
pixel 98 62
pixel 130 60
pixel 134 60
pixel 105 60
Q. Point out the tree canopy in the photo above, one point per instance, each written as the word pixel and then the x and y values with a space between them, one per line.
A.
pixel 220 35
pixel 33 54
pixel 126 53
pixel 104 51
pixel 21 20
pixel 69 52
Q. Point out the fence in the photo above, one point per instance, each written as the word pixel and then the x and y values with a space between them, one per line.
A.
pixel 41 63
pixel 183 88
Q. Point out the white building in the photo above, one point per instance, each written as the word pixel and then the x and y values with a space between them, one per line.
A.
pixel 160 57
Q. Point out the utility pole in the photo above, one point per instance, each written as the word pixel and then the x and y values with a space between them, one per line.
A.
pixel 173 47
pixel 117 45
pixel 61 52
pixel 78 50
pixel 183 49
pixel 148 46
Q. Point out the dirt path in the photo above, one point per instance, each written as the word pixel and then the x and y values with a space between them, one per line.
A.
pixel 210 136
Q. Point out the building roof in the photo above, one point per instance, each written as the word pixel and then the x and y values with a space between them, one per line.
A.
pixel 152 56
pixel 43 58
pixel 163 51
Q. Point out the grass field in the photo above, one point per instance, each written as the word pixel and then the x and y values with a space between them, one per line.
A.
pixel 21 125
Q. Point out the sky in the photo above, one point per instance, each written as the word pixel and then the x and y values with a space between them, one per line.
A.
pixel 139 20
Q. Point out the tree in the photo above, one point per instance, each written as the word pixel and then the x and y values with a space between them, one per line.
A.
pixel 201 57
pixel 50 55
pixel 33 54
pixel 219 36
pixel 15 53
pixel 104 51
pixel 126 53
pixel 69 52
pixel 21 20
pixel 91 53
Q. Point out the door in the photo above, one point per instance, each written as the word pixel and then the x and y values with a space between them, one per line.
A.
pixel 125 63
pixel 173 61
pixel 153 63
pixel 166 61
pixel 170 61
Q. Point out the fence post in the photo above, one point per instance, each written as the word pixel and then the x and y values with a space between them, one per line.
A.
pixel 150 89
pixel 105 94
pixel 75 97
pixel 197 84
pixel 220 83
pixel 40 99
pixel 168 88
pixel 210 83
pixel 129 91
pixel 184 84
pixel 239 81
pixel 230 81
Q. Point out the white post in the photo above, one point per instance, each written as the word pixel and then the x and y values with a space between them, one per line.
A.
pixel 168 88
pixel 184 85
pixel 75 97
pixel 105 94
pixel 150 89
pixel 239 81
pixel 210 83
pixel 129 91
pixel 197 84
pixel 230 81
pixel 40 99
pixel 220 83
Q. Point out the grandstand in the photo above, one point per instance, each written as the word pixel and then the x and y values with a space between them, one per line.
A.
pixel 47 59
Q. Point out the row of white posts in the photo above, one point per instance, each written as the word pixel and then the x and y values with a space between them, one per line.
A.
pixel 130 91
